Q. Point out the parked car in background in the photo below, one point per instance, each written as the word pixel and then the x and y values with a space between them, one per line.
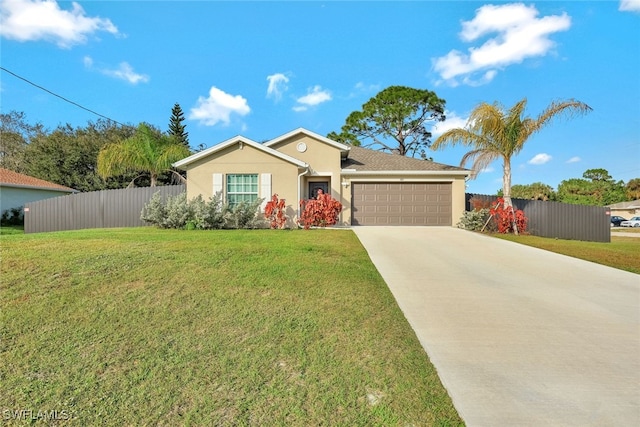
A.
pixel 616 220
pixel 633 222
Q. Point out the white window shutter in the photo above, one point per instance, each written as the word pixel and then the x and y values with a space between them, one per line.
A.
pixel 265 189
pixel 217 184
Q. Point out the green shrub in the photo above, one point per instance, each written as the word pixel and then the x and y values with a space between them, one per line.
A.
pixel 178 212
pixel 154 211
pixel 208 215
pixel 474 220
pixel 174 212
pixel 243 215
pixel 13 216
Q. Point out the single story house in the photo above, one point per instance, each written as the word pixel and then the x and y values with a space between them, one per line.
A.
pixel 374 188
pixel 625 209
pixel 16 189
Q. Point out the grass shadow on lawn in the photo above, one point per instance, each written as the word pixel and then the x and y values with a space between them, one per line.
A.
pixel 160 327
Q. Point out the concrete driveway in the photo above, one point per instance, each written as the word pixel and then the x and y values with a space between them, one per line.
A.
pixel 519 336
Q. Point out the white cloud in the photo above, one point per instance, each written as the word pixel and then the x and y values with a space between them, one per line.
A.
pixel 277 86
pixel 31 20
pixel 539 159
pixel 453 121
pixel 574 159
pixel 123 72
pixel 218 107
pixel 519 34
pixel 629 6
pixel 360 86
pixel 316 95
pixel 362 89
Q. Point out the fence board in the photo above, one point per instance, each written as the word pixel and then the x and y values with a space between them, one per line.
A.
pixel 96 209
pixel 560 220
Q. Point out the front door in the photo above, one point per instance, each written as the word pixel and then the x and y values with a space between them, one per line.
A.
pixel 318 185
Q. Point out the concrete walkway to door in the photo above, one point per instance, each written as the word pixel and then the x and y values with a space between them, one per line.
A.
pixel 519 336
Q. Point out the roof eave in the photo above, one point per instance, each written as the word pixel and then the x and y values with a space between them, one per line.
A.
pixel 348 172
pixel 211 150
pixel 38 187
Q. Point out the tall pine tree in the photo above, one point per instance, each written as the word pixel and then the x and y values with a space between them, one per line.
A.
pixel 176 128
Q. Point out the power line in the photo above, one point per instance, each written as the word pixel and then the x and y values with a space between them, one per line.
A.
pixel 63 98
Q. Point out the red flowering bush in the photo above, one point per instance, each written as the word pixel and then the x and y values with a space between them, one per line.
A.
pixel 319 212
pixel 274 212
pixel 478 204
pixel 504 217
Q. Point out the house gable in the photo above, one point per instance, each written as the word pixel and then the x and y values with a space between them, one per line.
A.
pixel 299 134
pixel 238 142
pixel 322 154
pixel 206 173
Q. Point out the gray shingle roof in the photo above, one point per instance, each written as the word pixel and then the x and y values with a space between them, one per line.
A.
pixel 365 159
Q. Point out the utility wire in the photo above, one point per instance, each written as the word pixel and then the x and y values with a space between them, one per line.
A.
pixel 63 98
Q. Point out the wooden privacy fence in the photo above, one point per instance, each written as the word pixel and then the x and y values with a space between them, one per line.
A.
pixel 96 209
pixel 560 220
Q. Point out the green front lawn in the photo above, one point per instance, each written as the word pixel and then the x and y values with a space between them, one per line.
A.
pixel 159 327
pixel 11 229
pixel 622 253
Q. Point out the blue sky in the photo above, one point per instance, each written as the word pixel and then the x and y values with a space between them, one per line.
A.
pixel 261 69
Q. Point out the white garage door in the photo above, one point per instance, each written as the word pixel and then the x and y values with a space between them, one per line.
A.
pixel 389 203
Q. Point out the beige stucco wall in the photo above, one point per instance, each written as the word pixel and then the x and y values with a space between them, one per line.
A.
pixel 233 159
pixel 324 162
pixel 457 190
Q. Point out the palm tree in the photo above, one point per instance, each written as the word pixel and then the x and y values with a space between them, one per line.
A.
pixel 147 151
pixel 495 133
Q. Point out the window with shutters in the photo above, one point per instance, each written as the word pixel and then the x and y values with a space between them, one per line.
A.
pixel 242 188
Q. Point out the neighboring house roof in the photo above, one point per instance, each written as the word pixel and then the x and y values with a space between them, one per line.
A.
pixel 362 160
pixel 633 204
pixel 10 178
pixel 239 140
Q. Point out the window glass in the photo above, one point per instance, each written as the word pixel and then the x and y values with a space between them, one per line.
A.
pixel 242 188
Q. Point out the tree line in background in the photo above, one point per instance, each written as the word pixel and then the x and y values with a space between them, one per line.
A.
pixel 595 188
pixel 398 119
pixel 69 156
pixel 395 121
